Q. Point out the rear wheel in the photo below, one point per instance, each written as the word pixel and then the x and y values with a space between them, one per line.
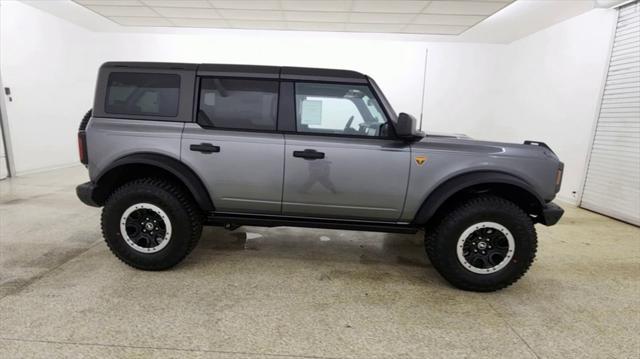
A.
pixel 150 224
pixel 485 244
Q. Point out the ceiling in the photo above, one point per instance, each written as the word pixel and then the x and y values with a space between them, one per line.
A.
pixel 423 17
pixel 516 20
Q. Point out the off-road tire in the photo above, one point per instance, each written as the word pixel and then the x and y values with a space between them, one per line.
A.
pixel 185 217
pixel 442 239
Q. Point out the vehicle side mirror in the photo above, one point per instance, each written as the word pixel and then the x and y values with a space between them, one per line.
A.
pixel 406 128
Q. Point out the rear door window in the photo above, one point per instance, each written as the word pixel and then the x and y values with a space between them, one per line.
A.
pixel 240 104
pixel 143 94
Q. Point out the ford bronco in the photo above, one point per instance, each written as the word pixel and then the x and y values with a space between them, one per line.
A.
pixel 172 147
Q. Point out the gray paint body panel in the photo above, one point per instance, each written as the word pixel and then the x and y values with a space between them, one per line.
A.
pixel 109 139
pixel 246 175
pixel 358 178
pixel 448 158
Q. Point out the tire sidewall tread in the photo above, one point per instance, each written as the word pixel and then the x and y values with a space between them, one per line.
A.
pixel 441 241
pixel 185 220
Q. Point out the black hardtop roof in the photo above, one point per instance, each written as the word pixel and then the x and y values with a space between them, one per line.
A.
pixel 284 72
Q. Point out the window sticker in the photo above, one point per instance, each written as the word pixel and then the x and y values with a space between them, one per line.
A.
pixel 311 112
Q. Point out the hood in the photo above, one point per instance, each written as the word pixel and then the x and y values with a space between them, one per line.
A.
pixel 463 143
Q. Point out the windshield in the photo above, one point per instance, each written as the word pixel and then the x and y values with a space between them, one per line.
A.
pixel 383 99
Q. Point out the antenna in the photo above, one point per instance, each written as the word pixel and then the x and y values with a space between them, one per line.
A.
pixel 424 85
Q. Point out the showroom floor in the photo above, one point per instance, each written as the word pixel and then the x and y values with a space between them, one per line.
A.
pixel 288 293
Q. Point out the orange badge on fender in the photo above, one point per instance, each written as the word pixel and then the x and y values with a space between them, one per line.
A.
pixel 420 160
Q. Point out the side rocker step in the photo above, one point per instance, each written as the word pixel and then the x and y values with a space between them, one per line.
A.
pixel 237 219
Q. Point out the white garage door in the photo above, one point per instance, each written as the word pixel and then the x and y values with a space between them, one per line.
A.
pixel 612 185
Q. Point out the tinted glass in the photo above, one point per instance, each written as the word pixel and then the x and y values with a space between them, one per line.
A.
pixel 143 94
pixel 238 104
pixel 338 109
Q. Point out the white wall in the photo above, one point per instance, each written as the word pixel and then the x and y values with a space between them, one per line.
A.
pixel 462 81
pixel 542 87
pixel 551 87
pixel 48 64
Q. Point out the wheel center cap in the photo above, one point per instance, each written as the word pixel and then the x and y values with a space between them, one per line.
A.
pixel 148 226
pixel 482 245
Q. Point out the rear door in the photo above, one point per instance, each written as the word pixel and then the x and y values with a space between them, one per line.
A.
pixel 342 162
pixel 233 146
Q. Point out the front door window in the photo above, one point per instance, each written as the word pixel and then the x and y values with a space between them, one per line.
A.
pixel 338 109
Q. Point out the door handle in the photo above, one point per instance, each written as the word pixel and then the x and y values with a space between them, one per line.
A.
pixel 309 154
pixel 205 148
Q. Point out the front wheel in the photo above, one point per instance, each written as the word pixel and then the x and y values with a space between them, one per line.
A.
pixel 485 244
pixel 151 224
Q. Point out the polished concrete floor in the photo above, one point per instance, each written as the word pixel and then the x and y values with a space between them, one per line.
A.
pixel 300 293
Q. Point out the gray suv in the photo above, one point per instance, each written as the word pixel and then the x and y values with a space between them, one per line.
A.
pixel 172 147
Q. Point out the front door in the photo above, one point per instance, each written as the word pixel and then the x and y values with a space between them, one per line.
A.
pixel 341 162
pixel 233 146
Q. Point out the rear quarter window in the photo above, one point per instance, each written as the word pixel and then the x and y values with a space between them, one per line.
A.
pixel 143 94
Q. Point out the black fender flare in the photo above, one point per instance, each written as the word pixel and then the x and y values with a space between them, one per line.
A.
pixel 466 180
pixel 181 171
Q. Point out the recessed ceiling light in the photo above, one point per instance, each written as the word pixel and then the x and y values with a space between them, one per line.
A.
pixel 246 4
pixel 396 6
pixel 267 15
pixel 188 13
pixel 110 2
pixel 316 16
pixel 316 5
pixel 380 18
pixel 463 7
pixel 447 19
pixel 203 4
pixel 123 10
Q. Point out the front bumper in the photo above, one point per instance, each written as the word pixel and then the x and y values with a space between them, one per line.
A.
pixel 551 214
pixel 87 194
